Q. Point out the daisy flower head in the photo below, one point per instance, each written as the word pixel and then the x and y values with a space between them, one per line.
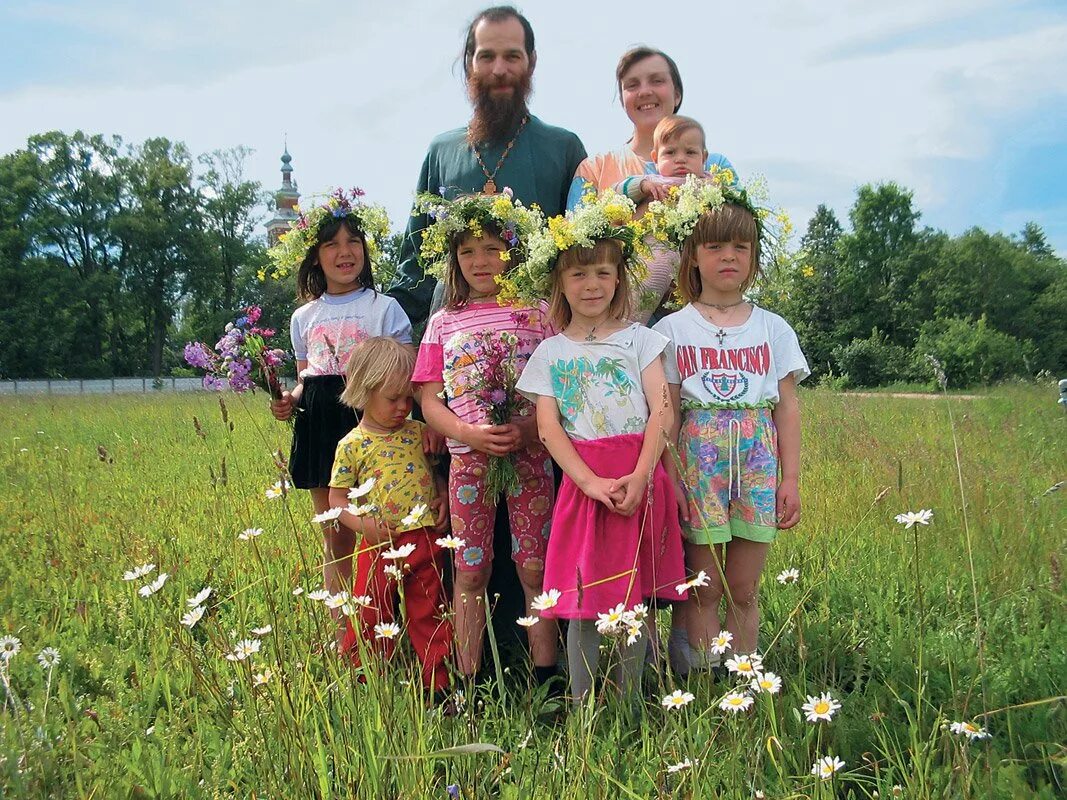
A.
pixel 746 666
pixel 450 542
pixel 137 572
pixel 633 633
pixel 546 600
pixel 262 678
pixel 48 658
pixel 192 617
pixel 606 623
pixel 336 600
pixel 362 600
pixel 249 533
pixel 721 643
pixel 970 730
pixel 328 517
pixel 910 518
pixel 297 591
pixel 393 571
pixel 396 553
pixel 767 682
pixel 9 647
pixel 386 630
pixel 791 575
pixel 199 598
pixel 735 702
pixel 319 595
pixel 677 699
pixel 361 511
pixel 363 489
pixel 682 765
pixel 639 611
pixel 826 766
pixel 701 579
pixel 243 649
pixel 276 491
pixel 150 589
pixel 261 631
pixel 528 622
pixel 416 514
pixel 820 707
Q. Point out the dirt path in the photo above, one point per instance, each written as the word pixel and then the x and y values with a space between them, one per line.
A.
pixel 913 395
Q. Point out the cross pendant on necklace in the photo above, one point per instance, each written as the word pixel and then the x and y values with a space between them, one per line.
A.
pixel 721 334
pixel 490 187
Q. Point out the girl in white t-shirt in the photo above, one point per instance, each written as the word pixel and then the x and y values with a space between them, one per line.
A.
pixel 732 368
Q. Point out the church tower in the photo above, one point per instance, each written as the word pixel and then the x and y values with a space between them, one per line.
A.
pixel 285 200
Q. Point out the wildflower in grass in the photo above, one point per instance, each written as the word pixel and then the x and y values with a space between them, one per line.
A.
pixel 261 631
pixel 192 617
pixel 415 515
pixel 361 511
pixel 701 579
pixel 721 643
pixel 910 518
pixel 336 600
pixel 822 707
pixel 747 666
pixel 453 791
pixel 970 730
pixel 791 575
pixel 450 542
pixel 826 766
pixel 150 589
pixel 677 699
pixel 299 590
pixel 149 730
pixel 243 649
pixel 329 516
pixel 394 572
pixel 768 682
pixel 249 533
pixel 318 595
pixel 633 632
pixel 386 630
pixel 639 612
pixel 349 609
pixel 364 488
pixel 362 600
pixel 262 678
pixel 528 622
pixel 277 490
pixel 681 766
pixel 9 647
pixel 200 597
pixel 609 622
pixel 735 702
pixel 48 658
pixel 396 553
pixel 546 600
pixel 137 572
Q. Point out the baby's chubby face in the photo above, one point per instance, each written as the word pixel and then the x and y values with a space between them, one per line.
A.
pixel 681 155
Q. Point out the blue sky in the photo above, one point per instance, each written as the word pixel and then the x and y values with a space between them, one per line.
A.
pixel 963 102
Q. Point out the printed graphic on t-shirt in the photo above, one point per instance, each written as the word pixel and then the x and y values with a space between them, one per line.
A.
pixel 722 370
pixel 582 387
pixel 330 343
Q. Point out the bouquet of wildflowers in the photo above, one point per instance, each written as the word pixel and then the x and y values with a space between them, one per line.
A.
pixel 492 385
pixel 242 349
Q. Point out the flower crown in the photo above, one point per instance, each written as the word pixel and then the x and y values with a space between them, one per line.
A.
pixel 674 219
pixel 471 213
pixel 294 244
pixel 608 215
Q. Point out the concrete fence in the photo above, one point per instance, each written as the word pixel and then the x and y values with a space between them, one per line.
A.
pixel 101 386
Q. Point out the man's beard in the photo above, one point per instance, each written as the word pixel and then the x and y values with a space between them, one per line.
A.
pixel 495 118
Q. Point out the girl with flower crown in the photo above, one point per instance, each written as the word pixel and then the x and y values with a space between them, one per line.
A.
pixel 332 246
pixel 472 353
pixel 602 411
pixel 732 368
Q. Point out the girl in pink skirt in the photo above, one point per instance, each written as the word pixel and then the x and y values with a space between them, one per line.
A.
pixel 602 412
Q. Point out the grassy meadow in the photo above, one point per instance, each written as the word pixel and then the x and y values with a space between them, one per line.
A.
pixel 910 630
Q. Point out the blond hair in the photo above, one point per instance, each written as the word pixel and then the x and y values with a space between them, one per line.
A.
pixel 729 223
pixel 377 363
pixel 609 250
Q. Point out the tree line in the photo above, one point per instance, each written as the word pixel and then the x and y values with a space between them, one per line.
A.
pixel 114 255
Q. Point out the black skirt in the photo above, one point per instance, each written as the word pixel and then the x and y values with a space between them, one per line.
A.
pixel 321 422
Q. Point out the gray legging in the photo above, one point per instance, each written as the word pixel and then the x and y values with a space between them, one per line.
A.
pixel 583 653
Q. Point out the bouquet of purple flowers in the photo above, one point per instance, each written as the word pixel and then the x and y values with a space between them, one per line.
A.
pixel 242 348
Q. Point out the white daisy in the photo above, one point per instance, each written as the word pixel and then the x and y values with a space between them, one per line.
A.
pixel 701 579
pixel 721 643
pixel 48 658
pixel 677 699
pixel 262 678
pixel 609 622
pixel 276 491
pixel 9 647
pixel 736 701
pixel 393 571
pixel 546 600
pixel 150 589
pixel 767 682
pixel 200 597
pixel 330 515
pixel 299 590
pixel 386 630
pixel 528 622
pixel 243 649
pixel 416 514
pixel 450 542
pixel 633 633
pixel 970 730
pixel 190 619
pixel 639 611
pixel 745 665
pixel 261 631
pixel 360 511
pixel 910 518
pixel 337 600
pixel 318 595
pixel 363 489
pixel 396 553
pixel 791 575
pixel 249 533
pixel 682 765
pixel 820 707
pixel 137 572
pixel 362 600
pixel 826 766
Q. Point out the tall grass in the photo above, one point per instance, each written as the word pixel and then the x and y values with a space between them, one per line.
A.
pixel 141 706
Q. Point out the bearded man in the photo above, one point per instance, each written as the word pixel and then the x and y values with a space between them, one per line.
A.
pixel 503 145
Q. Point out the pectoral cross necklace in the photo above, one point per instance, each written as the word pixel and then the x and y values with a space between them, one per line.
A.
pixel 490 182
